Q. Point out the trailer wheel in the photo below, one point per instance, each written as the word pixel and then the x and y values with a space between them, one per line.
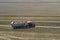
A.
pixel 34 25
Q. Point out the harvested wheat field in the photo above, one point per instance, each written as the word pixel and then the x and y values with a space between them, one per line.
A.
pixel 45 13
pixel 44 30
pixel 37 33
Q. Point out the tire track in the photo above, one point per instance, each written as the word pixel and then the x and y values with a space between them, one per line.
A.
pixel 49 26
pixel 5 38
pixel 10 36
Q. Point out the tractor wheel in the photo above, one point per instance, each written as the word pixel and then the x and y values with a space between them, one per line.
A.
pixel 14 28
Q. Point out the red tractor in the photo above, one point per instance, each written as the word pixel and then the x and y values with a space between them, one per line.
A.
pixel 27 24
